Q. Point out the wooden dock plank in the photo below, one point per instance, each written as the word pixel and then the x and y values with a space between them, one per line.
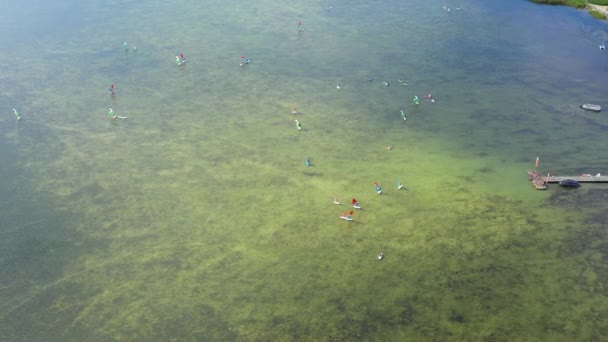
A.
pixel 537 180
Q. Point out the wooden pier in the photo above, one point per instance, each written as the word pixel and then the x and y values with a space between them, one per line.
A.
pixel 540 182
pixel 537 180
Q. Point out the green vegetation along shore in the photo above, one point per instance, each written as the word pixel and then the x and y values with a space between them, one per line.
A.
pixel 591 5
pixel 573 3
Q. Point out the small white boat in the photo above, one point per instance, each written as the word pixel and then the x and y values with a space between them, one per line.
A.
pixel 591 107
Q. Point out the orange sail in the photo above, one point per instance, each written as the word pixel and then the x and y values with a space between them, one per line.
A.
pixel 537 162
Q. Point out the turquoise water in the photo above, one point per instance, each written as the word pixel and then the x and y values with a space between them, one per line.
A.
pixel 196 218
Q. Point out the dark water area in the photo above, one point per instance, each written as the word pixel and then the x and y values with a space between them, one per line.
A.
pixel 198 217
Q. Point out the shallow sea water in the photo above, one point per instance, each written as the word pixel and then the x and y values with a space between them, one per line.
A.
pixel 197 218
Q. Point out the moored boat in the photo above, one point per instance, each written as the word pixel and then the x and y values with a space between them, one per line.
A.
pixel 569 183
pixel 591 107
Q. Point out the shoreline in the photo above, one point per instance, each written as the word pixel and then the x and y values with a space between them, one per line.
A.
pixel 598 8
pixel 592 9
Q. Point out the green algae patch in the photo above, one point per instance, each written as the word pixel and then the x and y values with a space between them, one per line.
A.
pixel 197 218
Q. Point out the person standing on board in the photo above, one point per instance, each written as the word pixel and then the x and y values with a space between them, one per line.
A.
pixel 378 188
pixel 347 216
pixel 399 185
pixel 245 60
pixel 113 115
